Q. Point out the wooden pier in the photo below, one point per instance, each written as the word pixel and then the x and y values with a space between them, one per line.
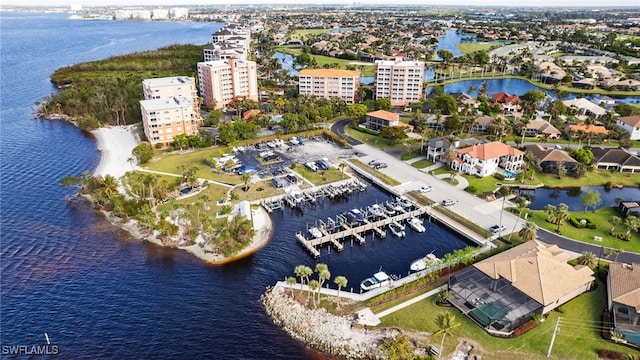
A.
pixel 357 232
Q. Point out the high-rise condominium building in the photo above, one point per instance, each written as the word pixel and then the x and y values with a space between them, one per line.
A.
pixel 223 80
pixel 399 81
pixel 328 83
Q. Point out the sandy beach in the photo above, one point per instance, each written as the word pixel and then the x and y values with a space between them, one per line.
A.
pixel 116 144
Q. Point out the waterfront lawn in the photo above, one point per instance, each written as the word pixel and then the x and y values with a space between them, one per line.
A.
pixel 578 339
pixel 258 190
pixel 198 203
pixel 171 162
pixel 421 164
pixel 596 177
pixel 469 48
pixel 320 177
pixel 367 70
pixel 303 33
pixel 384 178
pixel 600 219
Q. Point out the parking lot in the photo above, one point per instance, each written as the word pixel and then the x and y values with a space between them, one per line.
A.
pixel 312 150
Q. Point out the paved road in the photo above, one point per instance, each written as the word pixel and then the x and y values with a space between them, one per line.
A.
pixel 579 247
pixel 471 207
pixel 338 128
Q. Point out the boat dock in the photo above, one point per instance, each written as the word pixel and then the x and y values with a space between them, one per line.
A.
pixel 377 226
pixel 298 198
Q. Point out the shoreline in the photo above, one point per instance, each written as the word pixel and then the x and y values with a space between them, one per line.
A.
pixel 115 144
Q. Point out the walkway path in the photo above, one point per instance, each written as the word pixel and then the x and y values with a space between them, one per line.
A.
pixel 410 302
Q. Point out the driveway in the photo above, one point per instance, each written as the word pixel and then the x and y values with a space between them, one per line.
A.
pixel 338 128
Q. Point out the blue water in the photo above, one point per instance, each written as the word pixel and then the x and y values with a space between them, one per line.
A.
pixel 571 196
pixel 450 42
pixel 96 291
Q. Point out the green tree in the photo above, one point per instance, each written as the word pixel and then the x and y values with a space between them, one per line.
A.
pixel 445 55
pixel 313 286
pixel 303 272
pixel 290 280
pixel 587 258
pixel 356 111
pixel 632 223
pixel 214 117
pixel 446 324
pixel 383 104
pixel 246 178
pixel 591 199
pixel 398 348
pixel 341 281
pixel 180 141
pixel 226 134
pixel 560 214
pixel 143 152
pixel 393 133
pixel 583 155
pixel 528 232
pixel 614 221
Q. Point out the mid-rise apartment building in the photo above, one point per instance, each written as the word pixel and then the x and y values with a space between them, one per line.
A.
pixel 223 80
pixel 165 118
pixel 233 40
pixel 175 86
pixel 328 83
pixel 399 81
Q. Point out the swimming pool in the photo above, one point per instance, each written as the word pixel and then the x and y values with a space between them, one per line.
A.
pixel 508 175
pixel 276 118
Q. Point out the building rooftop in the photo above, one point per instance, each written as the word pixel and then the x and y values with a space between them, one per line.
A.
pixel 166 103
pixel 385 115
pixel 329 73
pixel 537 269
pixel 490 150
pixel 625 284
pixel 633 121
pixel 168 81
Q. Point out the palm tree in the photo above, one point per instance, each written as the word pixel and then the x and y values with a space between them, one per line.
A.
pixel 632 223
pixel 446 323
pixel 323 275
pixel 246 177
pixel 290 280
pixel 614 221
pixel 342 165
pixel 313 285
pixel 528 232
pixel 303 272
pixel 109 186
pixel 587 258
pixel 561 213
pixel 617 252
pixel 341 281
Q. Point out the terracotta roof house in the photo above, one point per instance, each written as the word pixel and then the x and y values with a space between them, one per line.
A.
pixel 541 128
pixel 574 130
pixel 615 158
pixel 550 158
pixel 623 300
pixel 510 103
pixel 506 290
pixel 487 159
pixel 250 113
pixel 630 124
pixel 379 118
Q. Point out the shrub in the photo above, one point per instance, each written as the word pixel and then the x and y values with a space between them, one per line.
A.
pixel 610 354
pixel 498 176
pixel 524 328
pixel 471 189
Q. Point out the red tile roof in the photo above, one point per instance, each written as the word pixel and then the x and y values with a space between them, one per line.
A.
pixel 596 129
pixel 384 115
pixel 490 150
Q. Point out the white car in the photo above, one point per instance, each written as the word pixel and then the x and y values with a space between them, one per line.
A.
pixel 425 188
pixel 449 202
pixel 497 228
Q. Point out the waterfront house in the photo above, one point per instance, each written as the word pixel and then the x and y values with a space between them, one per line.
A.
pixel 173 86
pixel 550 157
pixel 629 208
pixel 163 119
pixel 481 124
pixel 510 103
pixel 576 130
pixel 630 124
pixel 487 159
pixel 585 107
pixel 437 147
pixel 375 120
pixel 615 158
pixel 623 300
pixel 506 290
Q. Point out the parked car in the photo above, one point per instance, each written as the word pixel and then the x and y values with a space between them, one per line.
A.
pixel 497 228
pixel 311 166
pixel 380 165
pixel 292 179
pixel 425 188
pixel 373 162
pixel 449 202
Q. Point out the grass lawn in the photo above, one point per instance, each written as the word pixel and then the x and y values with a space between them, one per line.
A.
pixel 411 154
pixel 578 338
pixel 386 179
pixel 602 229
pixel 254 192
pixel 468 48
pixel 596 177
pixel 170 163
pixel 320 177
pixel 323 60
pixel 421 164
pixel 300 33
pixel 212 193
pixel 373 140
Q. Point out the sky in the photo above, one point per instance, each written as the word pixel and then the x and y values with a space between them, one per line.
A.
pixel 475 3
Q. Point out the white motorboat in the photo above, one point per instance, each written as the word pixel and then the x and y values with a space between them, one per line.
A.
pixel 404 202
pixel 421 264
pixel 397 229
pixel 395 206
pixel 378 279
pixel 416 224
pixel 315 232
pixel 388 209
pixel 355 215
pixel 375 210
